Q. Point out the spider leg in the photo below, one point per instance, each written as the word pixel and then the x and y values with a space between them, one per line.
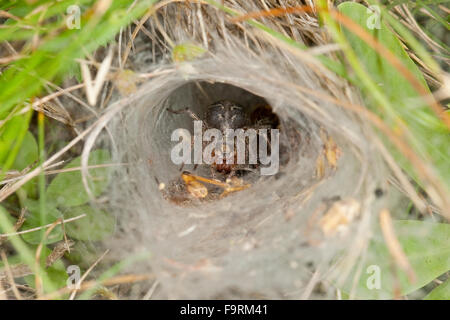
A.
pixel 231 174
pixel 183 111
pixel 247 168
pixel 213 172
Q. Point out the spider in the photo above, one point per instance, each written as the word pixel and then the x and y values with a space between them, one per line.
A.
pixel 225 114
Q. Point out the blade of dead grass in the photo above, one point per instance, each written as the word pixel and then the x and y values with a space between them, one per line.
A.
pixel 92 91
pixel 80 282
pixel 10 276
pixel 394 246
pixel 12 234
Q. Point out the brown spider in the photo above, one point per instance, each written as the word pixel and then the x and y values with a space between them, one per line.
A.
pixel 225 114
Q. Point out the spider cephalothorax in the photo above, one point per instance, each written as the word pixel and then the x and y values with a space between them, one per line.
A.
pixel 225 114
